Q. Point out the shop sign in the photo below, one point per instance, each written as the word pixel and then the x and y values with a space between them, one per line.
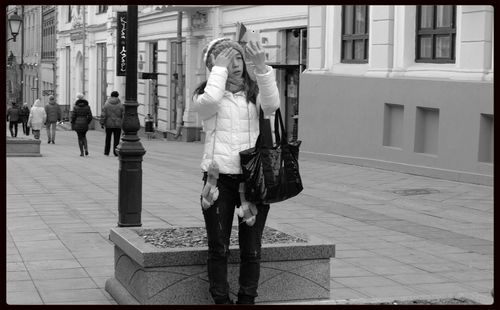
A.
pixel 121 43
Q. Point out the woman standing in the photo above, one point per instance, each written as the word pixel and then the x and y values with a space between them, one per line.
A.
pixel 80 119
pixel 37 118
pixel 229 104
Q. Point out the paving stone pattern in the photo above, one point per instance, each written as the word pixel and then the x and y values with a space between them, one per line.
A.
pixel 60 208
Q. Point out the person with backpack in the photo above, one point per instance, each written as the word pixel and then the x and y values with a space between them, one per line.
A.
pixel 111 119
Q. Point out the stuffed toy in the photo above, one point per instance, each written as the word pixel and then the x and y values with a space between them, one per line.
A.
pixel 247 210
pixel 210 192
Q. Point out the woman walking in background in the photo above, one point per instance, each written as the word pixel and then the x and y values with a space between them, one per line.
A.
pixel 80 119
pixel 37 118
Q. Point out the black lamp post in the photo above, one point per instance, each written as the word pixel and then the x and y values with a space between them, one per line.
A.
pixel 15 22
pixel 130 149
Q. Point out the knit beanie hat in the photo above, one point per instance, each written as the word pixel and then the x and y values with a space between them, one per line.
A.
pixel 215 47
pixel 80 96
pixel 114 94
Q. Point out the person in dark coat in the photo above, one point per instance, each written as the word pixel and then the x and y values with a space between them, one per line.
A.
pixel 80 119
pixel 111 118
pixel 25 113
pixel 53 111
pixel 13 116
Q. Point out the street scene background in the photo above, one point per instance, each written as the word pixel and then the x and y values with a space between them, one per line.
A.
pixel 397 140
pixel 390 240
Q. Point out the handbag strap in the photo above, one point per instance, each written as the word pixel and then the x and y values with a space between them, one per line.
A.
pixel 278 124
pixel 265 135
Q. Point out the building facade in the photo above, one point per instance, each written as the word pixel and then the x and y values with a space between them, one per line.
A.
pixel 406 88
pixel 13 74
pixel 88 56
pixel 31 69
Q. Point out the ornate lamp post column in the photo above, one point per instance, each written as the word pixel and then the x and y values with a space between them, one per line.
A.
pixel 130 149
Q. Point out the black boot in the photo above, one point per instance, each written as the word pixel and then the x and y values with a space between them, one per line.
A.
pixel 245 300
pixel 223 301
pixel 85 146
pixel 80 145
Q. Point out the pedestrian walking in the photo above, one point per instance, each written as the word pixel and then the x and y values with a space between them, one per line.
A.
pixel 229 103
pixel 13 116
pixel 148 126
pixel 80 119
pixel 37 118
pixel 53 111
pixel 111 119
pixel 25 113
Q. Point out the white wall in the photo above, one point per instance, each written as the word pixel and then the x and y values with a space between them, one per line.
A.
pixel 342 105
pixel 392 44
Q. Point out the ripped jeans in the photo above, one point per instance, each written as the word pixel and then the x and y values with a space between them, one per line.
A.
pixel 218 221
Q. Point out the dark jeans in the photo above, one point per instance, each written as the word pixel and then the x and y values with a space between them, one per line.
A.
pixel 26 129
pixel 116 139
pixel 218 221
pixel 82 140
pixel 13 129
pixel 51 130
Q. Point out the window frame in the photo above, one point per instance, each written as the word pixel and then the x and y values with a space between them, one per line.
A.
pixel 48 48
pixel 68 15
pixel 355 36
pixel 435 32
pixel 101 9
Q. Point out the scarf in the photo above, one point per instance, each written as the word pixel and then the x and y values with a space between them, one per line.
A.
pixel 235 84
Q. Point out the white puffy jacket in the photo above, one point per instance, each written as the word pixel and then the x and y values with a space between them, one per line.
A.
pixel 231 124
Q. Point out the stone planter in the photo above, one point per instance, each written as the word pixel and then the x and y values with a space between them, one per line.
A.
pixel 146 274
pixel 22 147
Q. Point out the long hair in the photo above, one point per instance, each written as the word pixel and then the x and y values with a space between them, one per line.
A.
pixel 251 88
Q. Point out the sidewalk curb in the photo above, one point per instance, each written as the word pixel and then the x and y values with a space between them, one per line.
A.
pixel 476 297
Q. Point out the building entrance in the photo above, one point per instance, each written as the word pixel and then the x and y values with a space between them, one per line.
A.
pixel 288 79
pixel 289 65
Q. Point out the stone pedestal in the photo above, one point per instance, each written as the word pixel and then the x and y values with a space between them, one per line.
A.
pixel 22 147
pixel 145 274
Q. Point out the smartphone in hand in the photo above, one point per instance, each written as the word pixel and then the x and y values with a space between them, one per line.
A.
pixel 252 35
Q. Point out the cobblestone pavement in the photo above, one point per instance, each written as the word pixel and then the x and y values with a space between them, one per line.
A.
pixel 396 234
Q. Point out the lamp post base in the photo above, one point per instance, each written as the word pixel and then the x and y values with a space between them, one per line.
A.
pixel 130 154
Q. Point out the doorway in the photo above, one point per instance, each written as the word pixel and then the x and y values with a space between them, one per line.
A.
pixel 288 79
pixel 288 70
pixel 102 91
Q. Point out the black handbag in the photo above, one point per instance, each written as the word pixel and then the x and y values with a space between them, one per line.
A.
pixel 271 172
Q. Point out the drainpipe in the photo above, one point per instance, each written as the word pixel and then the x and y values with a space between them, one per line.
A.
pixel 22 56
pixel 180 78
pixel 83 51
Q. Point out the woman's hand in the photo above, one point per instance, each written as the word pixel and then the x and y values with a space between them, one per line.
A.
pixel 256 54
pixel 224 58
